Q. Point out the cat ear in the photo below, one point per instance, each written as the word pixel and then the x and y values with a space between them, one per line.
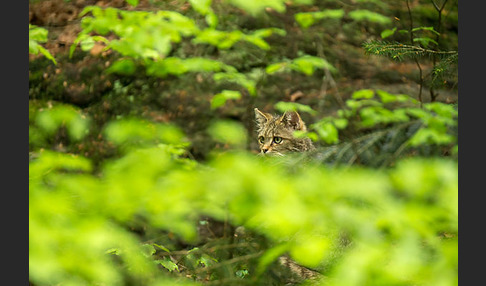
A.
pixel 292 119
pixel 262 117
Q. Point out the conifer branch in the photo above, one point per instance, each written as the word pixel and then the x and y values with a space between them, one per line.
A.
pixel 399 51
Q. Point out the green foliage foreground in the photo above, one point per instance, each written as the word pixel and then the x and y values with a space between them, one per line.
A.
pixel 143 217
pixel 356 225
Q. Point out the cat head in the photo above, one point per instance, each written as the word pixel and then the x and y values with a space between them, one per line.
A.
pixel 275 133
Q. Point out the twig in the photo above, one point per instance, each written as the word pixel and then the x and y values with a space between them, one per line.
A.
pixel 421 80
pixel 327 78
pixel 433 96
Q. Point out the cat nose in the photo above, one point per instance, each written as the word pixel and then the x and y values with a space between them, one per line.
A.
pixel 264 150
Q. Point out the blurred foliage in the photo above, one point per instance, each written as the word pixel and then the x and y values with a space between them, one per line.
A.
pixel 306 19
pixel 375 204
pixel 39 35
pixel 305 64
pixel 55 120
pixel 401 223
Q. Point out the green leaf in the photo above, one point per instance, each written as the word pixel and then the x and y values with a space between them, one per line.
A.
pixel 242 273
pixel 302 134
pixel 256 7
pixel 136 132
pixel 372 115
pixel 387 33
pixel 167 264
pixel 206 260
pixel 122 66
pixel 220 99
pixel 212 20
pixel 431 29
pixel 230 132
pixel 340 123
pixel 237 78
pixel 442 109
pixel 220 39
pixel 162 247
pixel 430 136
pixel 386 97
pixel 267 32
pixel 418 113
pixel 399 115
pixel 307 64
pixel 273 68
pixel 310 251
pixel 175 23
pixel 37 34
pixel 197 64
pixel 257 41
pixel 283 106
pixel 366 15
pixel 329 14
pixel 353 104
pixel 327 132
pixel 87 44
pixel 363 94
pixel 148 250
pixel 134 3
pixel 303 66
pixel 178 66
pixel 425 41
pixel 203 7
pixel 306 19
pixel 88 9
pixel 33 47
pixel 50 120
pixel 46 53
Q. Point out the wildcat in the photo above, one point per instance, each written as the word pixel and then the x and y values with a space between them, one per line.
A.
pixel 275 137
pixel 275 133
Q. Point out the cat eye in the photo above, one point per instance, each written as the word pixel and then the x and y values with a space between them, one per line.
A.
pixel 277 140
pixel 261 139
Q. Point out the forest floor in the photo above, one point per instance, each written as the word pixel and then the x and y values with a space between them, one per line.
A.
pixel 80 80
